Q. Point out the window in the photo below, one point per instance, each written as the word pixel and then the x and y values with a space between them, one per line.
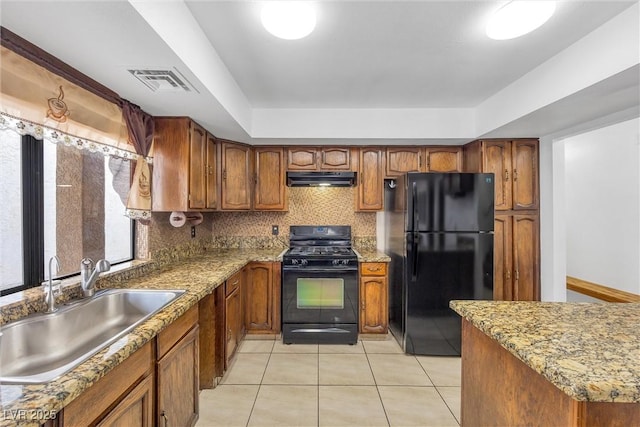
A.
pixel 59 200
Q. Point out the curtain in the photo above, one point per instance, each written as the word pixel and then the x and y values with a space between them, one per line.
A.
pixel 37 101
pixel 140 127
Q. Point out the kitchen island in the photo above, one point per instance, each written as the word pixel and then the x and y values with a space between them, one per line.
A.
pixel 536 363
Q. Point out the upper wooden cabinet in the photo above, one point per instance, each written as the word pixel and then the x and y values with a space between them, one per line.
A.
pixel 270 192
pixel 370 189
pixel 184 166
pixel 443 159
pixel 318 158
pixel 235 192
pixel 515 166
pixel 400 160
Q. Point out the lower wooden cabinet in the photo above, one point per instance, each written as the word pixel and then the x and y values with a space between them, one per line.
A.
pixel 374 298
pixel 129 386
pixel 234 327
pixel 516 258
pixel 177 376
pixel 136 409
pixel 177 372
pixel 262 300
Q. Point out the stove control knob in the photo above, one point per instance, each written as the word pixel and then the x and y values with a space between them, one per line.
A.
pixel 345 261
pixel 335 262
pixel 294 261
pixel 304 262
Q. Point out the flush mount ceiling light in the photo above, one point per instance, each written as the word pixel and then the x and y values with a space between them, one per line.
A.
pixel 289 20
pixel 517 18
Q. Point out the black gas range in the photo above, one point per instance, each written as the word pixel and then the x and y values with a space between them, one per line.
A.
pixel 320 286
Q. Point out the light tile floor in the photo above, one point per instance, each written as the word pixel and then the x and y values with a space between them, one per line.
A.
pixel 372 383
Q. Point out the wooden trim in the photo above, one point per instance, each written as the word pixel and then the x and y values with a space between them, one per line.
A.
pixel 44 59
pixel 604 293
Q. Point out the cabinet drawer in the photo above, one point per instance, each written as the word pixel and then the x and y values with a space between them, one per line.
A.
pixel 373 269
pixel 233 283
pixel 172 334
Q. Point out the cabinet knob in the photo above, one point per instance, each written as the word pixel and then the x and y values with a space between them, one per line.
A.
pixel 363 305
pixel 224 174
pixel 515 174
pixel 506 175
pixel 377 268
pixel 507 275
pixel 164 418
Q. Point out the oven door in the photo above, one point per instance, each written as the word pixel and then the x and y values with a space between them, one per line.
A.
pixel 319 295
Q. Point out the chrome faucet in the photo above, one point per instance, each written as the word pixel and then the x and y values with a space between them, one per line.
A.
pixel 49 297
pixel 89 274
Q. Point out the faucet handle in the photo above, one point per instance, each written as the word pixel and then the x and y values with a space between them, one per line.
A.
pixel 86 263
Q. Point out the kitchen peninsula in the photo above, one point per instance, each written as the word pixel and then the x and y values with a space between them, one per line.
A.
pixel 532 363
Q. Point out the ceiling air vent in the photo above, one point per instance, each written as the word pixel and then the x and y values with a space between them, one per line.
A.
pixel 166 80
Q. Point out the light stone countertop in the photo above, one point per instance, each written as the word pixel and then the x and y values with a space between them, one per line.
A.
pixel 371 255
pixel 591 351
pixel 199 275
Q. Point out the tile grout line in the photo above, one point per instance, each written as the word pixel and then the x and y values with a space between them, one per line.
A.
pixel 437 391
pixel 375 382
pixel 260 385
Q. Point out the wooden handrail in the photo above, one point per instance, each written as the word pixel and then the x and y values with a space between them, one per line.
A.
pixel 604 293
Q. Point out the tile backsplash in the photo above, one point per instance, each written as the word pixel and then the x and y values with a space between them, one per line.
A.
pixel 307 206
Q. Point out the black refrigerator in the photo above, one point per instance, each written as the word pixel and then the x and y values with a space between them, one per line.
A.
pixel 439 235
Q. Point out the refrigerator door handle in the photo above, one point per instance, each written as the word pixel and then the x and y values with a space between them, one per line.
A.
pixel 414 207
pixel 414 255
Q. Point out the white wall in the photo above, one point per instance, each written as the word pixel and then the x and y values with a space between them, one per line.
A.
pixel 602 197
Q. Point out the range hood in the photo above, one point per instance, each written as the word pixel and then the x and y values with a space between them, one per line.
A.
pixel 321 179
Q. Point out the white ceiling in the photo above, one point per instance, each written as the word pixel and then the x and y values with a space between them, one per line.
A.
pixel 369 71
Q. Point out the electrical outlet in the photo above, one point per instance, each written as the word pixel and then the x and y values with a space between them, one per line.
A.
pixel 193 231
pixel 275 230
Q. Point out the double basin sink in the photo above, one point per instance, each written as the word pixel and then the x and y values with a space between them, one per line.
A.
pixel 42 347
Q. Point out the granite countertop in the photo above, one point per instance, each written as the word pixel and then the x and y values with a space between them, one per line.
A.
pixel 591 351
pixel 25 405
pixel 371 255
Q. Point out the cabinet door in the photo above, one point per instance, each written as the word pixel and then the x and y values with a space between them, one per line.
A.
pixel 525 174
pixel 233 308
pixel 335 158
pixel 170 171
pixel 135 410
pixel 259 309
pixel 373 304
pixel 197 168
pixel 371 180
pixel 497 160
pixel 502 258
pixel 236 168
pixel 401 160
pixel 526 250
pixel 302 159
pixel 444 159
pixel 177 376
pixel 210 172
pixel 270 190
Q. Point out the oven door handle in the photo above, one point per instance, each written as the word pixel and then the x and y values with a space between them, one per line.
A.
pixel 325 271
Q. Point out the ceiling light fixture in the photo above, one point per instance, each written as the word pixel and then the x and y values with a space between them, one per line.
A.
pixel 517 18
pixel 290 20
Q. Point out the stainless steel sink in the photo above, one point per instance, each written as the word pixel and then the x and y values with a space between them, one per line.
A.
pixel 42 347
